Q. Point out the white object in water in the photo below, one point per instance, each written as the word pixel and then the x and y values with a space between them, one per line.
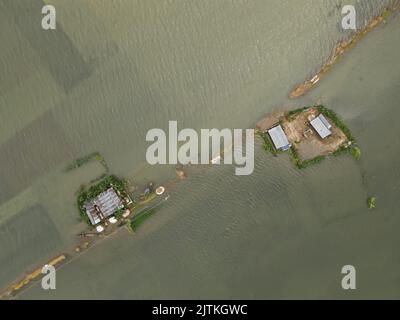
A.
pixel 315 79
pixel 160 190
pixel 99 229
pixel 113 220
pixel 216 160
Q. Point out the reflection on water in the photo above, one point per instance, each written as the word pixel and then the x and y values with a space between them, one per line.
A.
pixel 117 69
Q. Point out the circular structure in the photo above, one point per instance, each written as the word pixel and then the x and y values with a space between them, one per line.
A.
pixel 160 190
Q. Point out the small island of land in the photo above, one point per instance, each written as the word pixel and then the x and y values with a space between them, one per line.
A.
pixel 309 134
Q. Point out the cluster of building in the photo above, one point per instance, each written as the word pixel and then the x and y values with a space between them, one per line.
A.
pixel 103 206
pixel 106 204
pixel 320 124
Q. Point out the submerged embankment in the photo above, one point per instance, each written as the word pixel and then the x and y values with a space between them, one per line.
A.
pixel 342 47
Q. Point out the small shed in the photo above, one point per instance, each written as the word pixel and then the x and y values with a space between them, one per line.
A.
pixel 279 138
pixel 322 126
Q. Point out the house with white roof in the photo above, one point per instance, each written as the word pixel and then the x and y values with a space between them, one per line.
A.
pixel 322 126
pixel 279 138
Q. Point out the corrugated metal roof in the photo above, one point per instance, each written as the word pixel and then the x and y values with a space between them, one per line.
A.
pixel 107 202
pixel 325 121
pixel 279 138
pixel 320 127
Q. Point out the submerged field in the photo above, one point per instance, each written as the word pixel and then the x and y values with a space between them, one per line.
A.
pixel 279 233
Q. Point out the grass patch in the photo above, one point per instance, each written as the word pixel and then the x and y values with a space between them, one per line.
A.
pixel 295 157
pixel 95 156
pixel 292 113
pixel 302 164
pixel 139 219
pixel 268 147
pixel 356 153
pixel 371 202
pixel 267 143
pixel 343 149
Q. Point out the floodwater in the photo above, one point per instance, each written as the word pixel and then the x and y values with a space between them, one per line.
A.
pixel 115 69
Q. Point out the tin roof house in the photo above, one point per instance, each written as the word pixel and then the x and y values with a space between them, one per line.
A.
pixel 279 138
pixel 322 126
pixel 103 206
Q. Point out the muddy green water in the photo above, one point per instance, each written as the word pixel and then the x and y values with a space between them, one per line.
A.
pixel 115 69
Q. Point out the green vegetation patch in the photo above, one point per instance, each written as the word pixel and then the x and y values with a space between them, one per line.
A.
pixel 371 202
pixel 344 149
pixel 267 143
pixel 355 152
pixel 95 156
pixel 292 113
pixel 302 164
pixel 139 219
pixel 268 146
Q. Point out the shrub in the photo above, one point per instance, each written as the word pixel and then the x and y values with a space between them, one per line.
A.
pixel 356 153
pixel 371 202
pixel 341 151
pixel 267 144
pixel 95 156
